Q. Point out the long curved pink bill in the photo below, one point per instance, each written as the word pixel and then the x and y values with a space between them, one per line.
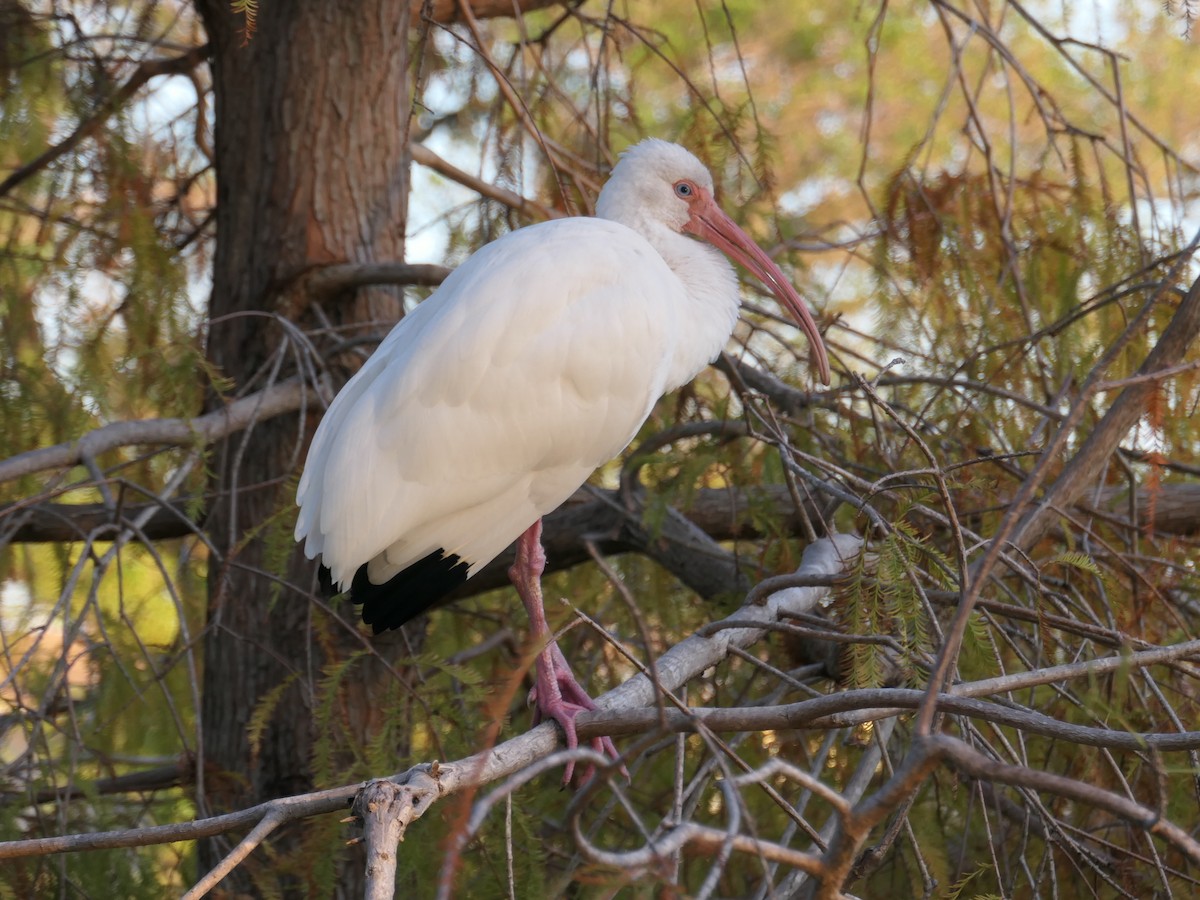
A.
pixel 711 223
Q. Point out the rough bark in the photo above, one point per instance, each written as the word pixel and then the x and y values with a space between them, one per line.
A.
pixel 310 138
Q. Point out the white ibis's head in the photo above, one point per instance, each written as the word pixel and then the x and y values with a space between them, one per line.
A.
pixel 652 181
pixel 659 183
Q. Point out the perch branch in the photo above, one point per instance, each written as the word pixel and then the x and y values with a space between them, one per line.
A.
pixel 429 782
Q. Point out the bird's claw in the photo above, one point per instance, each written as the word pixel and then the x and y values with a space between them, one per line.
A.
pixel 564 714
pixel 566 700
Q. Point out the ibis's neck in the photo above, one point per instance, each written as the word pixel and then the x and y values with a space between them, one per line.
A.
pixel 704 325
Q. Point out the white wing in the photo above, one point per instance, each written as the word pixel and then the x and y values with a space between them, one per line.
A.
pixel 487 406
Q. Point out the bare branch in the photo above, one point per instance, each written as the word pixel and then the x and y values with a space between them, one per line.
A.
pixel 284 397
pixel 979 766
pixel 148 69
pixel 269 823
pixel 674 668
pixel 384 808
pixel 876 703
pixel 447 11
pixel 533 209
pixel 287 809
pixel 1102 442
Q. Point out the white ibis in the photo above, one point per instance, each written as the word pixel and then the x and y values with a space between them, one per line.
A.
pixel 534 363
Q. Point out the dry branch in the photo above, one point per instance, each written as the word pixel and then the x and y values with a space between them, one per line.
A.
pixel 683 662
pixel 382 807
pixel 447 11
pixel 877 703
pixel 1085 465
pixel 426 157
pixel 289 808
pixel 284 397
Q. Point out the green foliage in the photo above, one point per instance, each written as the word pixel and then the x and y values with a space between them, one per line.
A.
pixel 96 325
pixel 1083 562
pixel 883 596
pixel 986 234
pixel 958 889
pixel 264 709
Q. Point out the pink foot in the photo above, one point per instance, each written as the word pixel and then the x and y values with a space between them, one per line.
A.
pixel 556 692
pixel 560 697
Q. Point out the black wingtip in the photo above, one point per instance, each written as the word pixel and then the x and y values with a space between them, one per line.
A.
pixel 409 593
pixel 325 581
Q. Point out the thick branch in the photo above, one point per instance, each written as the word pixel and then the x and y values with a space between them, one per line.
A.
pixel 680 664
pixel 383 807
pixel 724 514
pixel 284 397
pixel 326 281
pixel 49 523
pixel 686 544
pixel 1171 508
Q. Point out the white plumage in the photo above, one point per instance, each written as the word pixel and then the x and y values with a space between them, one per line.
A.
pixel 497 397
pixel 534 363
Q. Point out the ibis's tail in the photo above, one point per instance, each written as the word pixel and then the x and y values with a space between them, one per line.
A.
pixel 409 593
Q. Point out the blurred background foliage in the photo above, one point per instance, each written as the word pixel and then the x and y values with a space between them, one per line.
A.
pixel 986 191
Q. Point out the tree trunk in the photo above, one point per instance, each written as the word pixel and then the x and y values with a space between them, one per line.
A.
pixel 310 140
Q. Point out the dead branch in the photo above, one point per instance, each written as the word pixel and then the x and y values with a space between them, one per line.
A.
pixel 680 664
pixel 286 396
pixel 447 11
pixel 384 807
pixel 533 209
pixel 1101 444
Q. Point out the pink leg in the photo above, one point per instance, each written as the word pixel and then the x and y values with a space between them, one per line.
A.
pixel 556 692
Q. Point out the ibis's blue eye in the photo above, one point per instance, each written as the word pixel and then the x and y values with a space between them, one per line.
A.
pixel 684 189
